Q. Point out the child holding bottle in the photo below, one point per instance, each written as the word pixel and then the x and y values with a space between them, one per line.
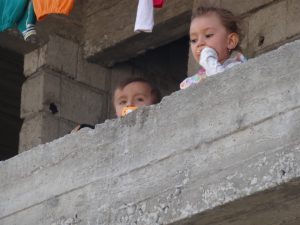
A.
pixel 215 42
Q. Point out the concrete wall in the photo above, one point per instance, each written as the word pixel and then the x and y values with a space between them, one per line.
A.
pixel 61 91
pixel 223 152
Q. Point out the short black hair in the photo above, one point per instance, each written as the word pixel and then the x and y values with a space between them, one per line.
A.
pixel 154 90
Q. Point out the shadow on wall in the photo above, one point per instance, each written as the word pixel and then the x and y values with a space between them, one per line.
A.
pixel 166 66
pixel 11 79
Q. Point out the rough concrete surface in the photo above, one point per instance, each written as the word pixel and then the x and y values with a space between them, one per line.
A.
pixel 226 151
pixel 60 77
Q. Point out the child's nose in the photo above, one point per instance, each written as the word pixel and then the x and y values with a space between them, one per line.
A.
pixel 200 42
pixel 130 103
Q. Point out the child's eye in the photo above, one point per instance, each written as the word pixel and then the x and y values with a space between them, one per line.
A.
pixel 122 102
pixel 193 41
pixel 209 35
pixel 140 99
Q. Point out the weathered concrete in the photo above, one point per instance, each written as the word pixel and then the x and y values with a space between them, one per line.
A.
pixel 67 91
pixel 115 40
pixel 232 139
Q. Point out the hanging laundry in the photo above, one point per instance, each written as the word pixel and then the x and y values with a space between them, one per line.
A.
pixel 144 18
pixel 20 14
pixel 27 23
pixel 11 11
pixel 158 3
pixel 43 8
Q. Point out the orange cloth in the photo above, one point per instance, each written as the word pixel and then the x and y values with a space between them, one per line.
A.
pixel 44 7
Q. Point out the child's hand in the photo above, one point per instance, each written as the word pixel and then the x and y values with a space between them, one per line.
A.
pixel 77 128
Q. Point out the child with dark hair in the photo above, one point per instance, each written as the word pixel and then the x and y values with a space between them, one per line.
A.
pixel 215 42
pixel 129 95
pixel 133 93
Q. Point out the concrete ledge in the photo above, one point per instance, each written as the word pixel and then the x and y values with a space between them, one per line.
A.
pixel 224 152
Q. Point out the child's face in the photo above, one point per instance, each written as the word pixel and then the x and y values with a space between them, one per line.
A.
pixel 208 31
pixel 134 94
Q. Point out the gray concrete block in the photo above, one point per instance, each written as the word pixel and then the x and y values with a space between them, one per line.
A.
pixel 241 7
pixel 216 3
pixel 42 128
pixel 39 92
pixel 34 60
pixel 81 103
pixel 58 54
pixel 92 74
pixel 38 129
pixel 69 103
pixel 267 27
pixel 62 55
pixel 217 153
pixel 74 101
pixel 293 17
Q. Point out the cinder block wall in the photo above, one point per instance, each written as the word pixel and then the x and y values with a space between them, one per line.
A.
pixel 223 152
pixel 61 91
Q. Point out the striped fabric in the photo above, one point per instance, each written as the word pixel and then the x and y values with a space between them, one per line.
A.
pixel 27 24
pixel 18 14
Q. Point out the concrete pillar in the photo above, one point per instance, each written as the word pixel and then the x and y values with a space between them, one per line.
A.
pixel 61 91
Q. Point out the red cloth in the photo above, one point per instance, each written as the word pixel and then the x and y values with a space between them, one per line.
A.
pixel 158 3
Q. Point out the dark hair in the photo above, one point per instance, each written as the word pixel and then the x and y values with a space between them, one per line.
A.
pixel 154 90
pixel 228 19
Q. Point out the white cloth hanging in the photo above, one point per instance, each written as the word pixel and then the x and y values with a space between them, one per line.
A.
pixel 144 17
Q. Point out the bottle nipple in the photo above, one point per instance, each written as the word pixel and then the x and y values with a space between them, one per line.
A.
pixel 127 110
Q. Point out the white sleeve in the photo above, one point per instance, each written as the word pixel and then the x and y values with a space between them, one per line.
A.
pixel 209 61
